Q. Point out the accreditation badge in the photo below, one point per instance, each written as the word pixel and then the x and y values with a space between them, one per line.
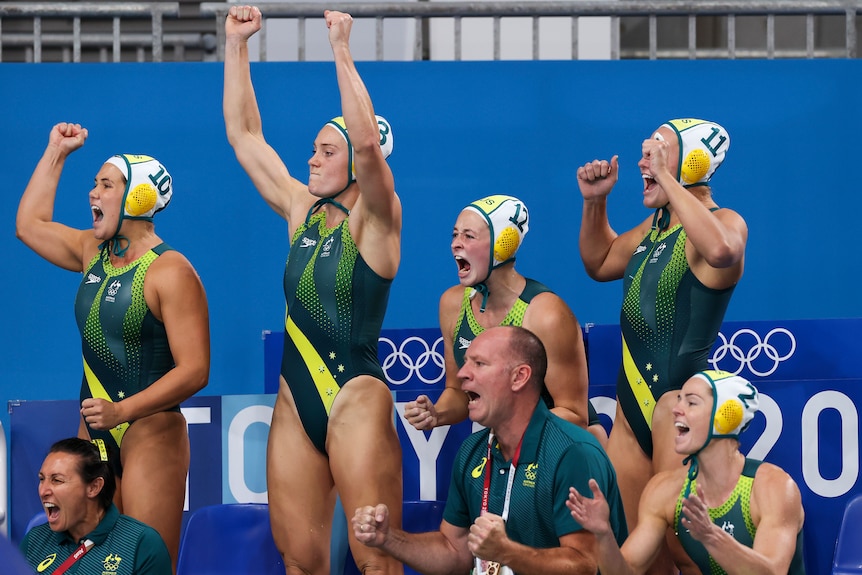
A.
pixel 483 567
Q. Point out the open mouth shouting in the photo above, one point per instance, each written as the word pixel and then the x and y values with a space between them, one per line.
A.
pixel 649 182
pixel 51 511
pixel 97 214
pixel 464 266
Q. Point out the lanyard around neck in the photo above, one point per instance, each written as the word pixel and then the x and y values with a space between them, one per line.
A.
pixel 77 554
pixel 489 470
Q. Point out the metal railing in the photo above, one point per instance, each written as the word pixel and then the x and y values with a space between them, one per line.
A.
pixel 74 40
pixel 702 28
pixel 653 10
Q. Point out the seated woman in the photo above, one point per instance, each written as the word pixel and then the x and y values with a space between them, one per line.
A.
pixel 85 532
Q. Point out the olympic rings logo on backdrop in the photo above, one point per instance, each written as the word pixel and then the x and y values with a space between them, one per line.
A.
pixel 778 345
pixel 399 360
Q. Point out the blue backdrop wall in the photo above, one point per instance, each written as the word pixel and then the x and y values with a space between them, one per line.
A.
pixel 462 130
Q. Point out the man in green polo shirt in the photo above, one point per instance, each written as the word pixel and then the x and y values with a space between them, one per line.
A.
pixel 508 516
pixel 85 532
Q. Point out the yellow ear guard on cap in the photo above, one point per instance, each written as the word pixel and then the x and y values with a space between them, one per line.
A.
pixel 695 166
pixel 728 416
pixel 141 199
pixel 508 220
pixel 506 244
pixel 702 148
pixel 735 401
pixel 149 186
pixel 149 189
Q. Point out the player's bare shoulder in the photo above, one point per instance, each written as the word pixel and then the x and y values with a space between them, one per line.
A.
pixel 549 312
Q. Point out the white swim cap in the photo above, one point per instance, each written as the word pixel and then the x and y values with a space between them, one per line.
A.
pixel 509 221
pixel 149 189
pixel 148 186
pixel 735 401
pixel 702 147
pixel 386 141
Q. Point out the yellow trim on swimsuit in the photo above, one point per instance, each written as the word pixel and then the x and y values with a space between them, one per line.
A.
pixel 638 384
pixel 97 390
pixel 327 388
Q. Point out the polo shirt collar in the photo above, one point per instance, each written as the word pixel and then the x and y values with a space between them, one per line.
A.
pixel 97 535
pixel 530 442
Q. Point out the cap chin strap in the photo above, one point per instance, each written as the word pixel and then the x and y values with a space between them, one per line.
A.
pixel 329 200
pixel 116 242
pixel 694 469
pixel 118 248
pixel 116 245
pixel 482 287
pixel 661 218
pixel 350 180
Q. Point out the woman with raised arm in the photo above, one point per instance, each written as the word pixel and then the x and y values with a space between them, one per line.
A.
pixel 142 314
pixel 333 426
pixel 679 267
